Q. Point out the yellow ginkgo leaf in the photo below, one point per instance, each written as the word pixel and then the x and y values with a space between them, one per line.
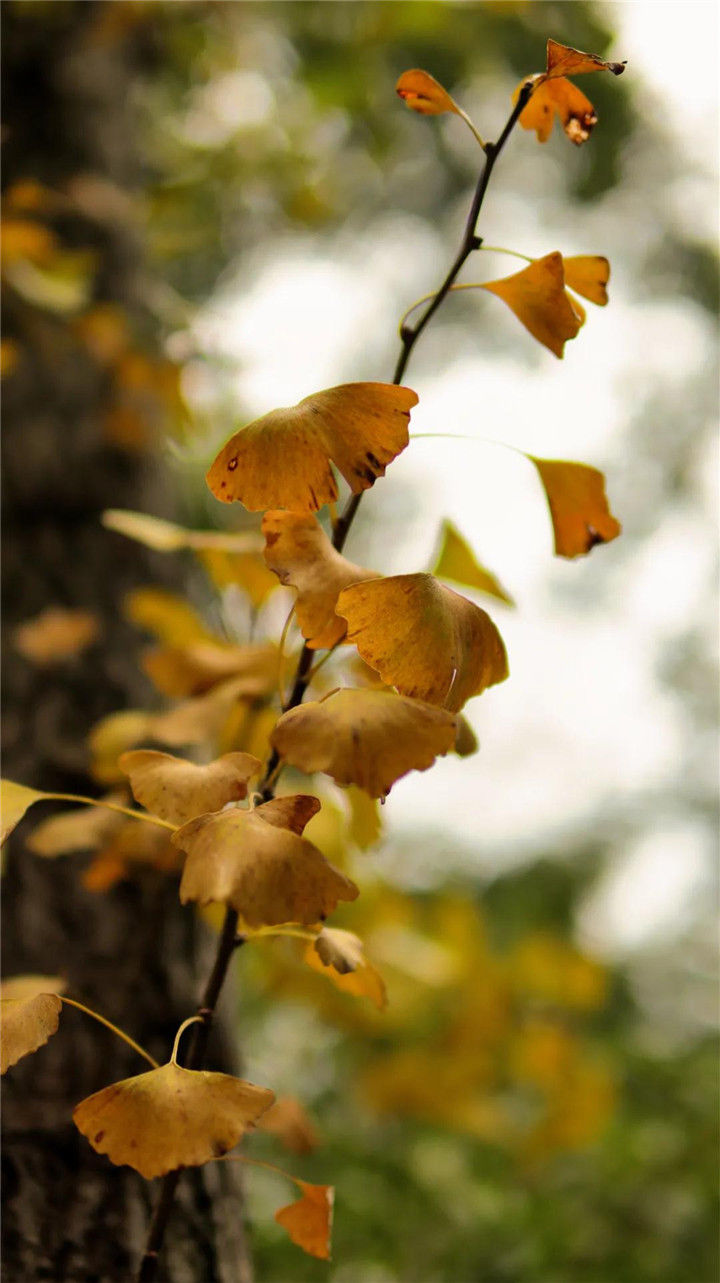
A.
pixel 456 560
pixel 29 1015
pixel 198 666
pixel 15 800
pixel 83 829
pixel 339 955
pixel 166 536
pixel 283 459
pixel 56 635
pixel 579 509
pixel 562 60
pixel 588 274
pixel 289 1121
pixel 201 719
pixel 178 790
pixel 269 874
pixel 539 300
pixel 422 92
pixel 111 736
pixel 171 619
pixel 365 825
pixel 424 639
pixel 301 555
pixel 246 570
pixel 364 737
pixel 170 1117
pixel 309 1220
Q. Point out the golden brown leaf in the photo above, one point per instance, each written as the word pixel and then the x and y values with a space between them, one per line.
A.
pixel 563 99
pixel 422 92
pixel 198 666
pixel 178 790
pixel 588 274
pixel 247 570
pixel 339 955
pixel 424 639
pixel 269 874
pixel 169 618
pixel 56 634
pixel 170 1117
pixel 289 1121
pixel 562 60
pixel 363 737
pixel 579 509
pixel 538 298
pixel 301 555
pixel 309 1220
pixel 456 560
pixel 200 719
pixel 29 1015
pixel 282 460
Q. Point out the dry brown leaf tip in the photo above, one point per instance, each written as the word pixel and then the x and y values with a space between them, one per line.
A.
pixel 364 737
pixel 283 459
pixel 423 93
pixel 555 96
pixel 177 790
pixel 170 1117
pixel 301 555
pixel 579 508
pixel 429 642
pixel 256 861
pixel 308 1221
pixel 29 1015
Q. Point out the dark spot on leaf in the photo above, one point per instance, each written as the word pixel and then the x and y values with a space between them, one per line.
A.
pixel 313 498
pixel 218 1148
pixel 593 538
pixel 374 463
pixel 98 1138
pixel 232 463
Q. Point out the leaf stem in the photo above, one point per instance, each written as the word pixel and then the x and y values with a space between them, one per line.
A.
pixel 71 1002
pixel 258 1162
pixel 109 806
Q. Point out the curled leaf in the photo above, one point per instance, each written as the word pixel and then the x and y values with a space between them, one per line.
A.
pixel 301 555
pixel 170 1117
pixel 29 1015
pixel 56 635
pixel 422 92
pixel 579 509
pixel 424 639
pixel 339 955
pixel 282 460
pixel 364 737
pixel 265 870
pixel 178 790
pixel 289 1121
pixel 456 560
pixel 309 1220
pixel 538 298
pixel 588 274
pixel 562 60
pixel 554 95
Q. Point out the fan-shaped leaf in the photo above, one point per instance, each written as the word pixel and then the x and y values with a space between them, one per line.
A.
pixel 579 509
pixel 456 560
pixel 422 92
pixel 178 790
pixel 29 1015
pixel 588 274
pixel 289 1121
pixel 309 1220
pixel 538 298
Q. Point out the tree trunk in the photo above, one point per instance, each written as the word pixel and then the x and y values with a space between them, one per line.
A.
pixel 133 953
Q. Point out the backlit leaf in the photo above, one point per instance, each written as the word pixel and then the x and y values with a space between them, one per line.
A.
pixel 579 508
pixel 424 639
pixel 339 955
pixel 269 874
pixel 198 666
pixel 588 274
pixel 246 570
pixel 309 1220
pixel 363 737
pixel 178 790
pixel 289 1121
pixel 56 634
pixel 456 560
pixel 282 460
pixel 170 1117
pixel 29 1015
pixel 562 60
pixel 365 827
pixel 563 99
pixel 300 553
pixel 15 800
pixel 422 92
pixel 169 618
pixel 538 298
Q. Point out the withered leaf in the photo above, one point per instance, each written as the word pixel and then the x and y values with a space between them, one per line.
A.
pixel 339 955
pixel 424 639
pixel 282 460
pixel 538 298
pixel 178 790
pixel 578 505
pixel 562 60
pixel 364 737
pixel 29 1015
pixel 170 1117
pixel 309 1220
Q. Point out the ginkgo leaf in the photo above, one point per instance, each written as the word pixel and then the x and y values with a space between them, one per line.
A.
pixel 178 790
pixel 166 536
pixel 197 666
pixel 588 274
pixel 246 570
pixel 538 298
pixel 111 736
pixel 579 508
pixel 456 560
pixel 301 555
pixel 269 874
pixel 424 639
pixel 309 1220
pixel 339 955
pixel 29 1015
pixel 83 829
pixel 365 826
pixel 56 634
pixel 15 800
pixel 199 719
pixel 289 1121
pixel 422 92
pixel 170 1117
pixel 562 60
pixel 169 618
pixel 282 460
pixel 364 737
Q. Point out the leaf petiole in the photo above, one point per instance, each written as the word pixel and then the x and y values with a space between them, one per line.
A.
pixel 71 1002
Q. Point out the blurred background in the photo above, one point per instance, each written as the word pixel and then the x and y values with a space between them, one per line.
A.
pixel 211 209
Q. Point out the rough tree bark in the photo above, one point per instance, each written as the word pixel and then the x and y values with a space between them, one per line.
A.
pixel 133 953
